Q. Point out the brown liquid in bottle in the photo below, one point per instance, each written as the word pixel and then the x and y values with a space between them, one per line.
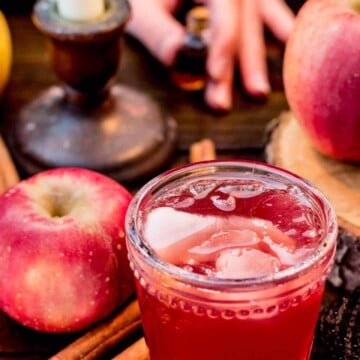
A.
pixel 189 69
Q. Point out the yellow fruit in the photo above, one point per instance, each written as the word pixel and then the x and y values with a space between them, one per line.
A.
pixel 5 52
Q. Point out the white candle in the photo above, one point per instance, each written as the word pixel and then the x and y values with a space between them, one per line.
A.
pixel 80 10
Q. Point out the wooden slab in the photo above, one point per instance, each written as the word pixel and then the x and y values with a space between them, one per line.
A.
pixel 289 148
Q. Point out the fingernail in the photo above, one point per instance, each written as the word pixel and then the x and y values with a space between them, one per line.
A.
pixel 218 96
pixel 258 86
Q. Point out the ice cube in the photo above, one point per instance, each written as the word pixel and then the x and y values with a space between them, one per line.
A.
pixel 171 232
pixel 228 204
pixel 181 238
pixel 246 263
pixel 287 256
pixel 243 191
pixel 263 228
pixel 187 202
pixel 201 190
pixel 226 239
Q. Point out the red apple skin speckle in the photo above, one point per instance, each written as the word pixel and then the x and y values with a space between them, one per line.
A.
pixel 322 76
pixel 63 259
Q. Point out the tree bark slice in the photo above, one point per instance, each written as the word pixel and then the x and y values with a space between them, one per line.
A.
pixel 288 147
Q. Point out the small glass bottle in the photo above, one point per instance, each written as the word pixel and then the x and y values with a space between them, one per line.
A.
pixel 189 69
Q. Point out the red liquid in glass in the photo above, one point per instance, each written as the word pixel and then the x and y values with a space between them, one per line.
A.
pixel 172 333
pixel 281 328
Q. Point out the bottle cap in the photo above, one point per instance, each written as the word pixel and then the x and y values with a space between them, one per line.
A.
pixel 197 19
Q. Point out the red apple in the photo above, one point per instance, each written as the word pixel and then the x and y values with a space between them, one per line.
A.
pixel 322 75
pixel 63 259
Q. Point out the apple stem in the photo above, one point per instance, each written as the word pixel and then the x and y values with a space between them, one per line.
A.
pixel 355 4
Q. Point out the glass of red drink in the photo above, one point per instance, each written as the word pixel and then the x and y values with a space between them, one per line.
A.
pixel 230 260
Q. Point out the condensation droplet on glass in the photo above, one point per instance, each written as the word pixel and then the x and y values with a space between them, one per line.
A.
pixel 243 191
pixel 309 233
pixel 188 268
pixel 228 204
pixel 208 271
pixel 290 232
pixel 300 219
pixel 293 189
pixel 202 190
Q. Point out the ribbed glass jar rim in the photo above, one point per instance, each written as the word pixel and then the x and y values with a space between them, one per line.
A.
pixel 325 249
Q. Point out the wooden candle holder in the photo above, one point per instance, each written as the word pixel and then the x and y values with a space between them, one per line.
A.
pixel 90 121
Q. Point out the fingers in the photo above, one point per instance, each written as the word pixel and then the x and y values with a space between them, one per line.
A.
pixel 236 35
pixel 220 64
pixel 278 17
pixel 251 49
pixel 153 24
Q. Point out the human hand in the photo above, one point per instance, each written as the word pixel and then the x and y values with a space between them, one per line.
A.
pixel 236 39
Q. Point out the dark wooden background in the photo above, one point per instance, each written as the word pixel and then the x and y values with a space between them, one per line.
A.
pixel 237 133
pixel 240 133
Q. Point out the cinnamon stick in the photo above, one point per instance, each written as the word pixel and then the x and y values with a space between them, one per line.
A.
pixel 103 337
pixel 8 173
pixel 137 351
pixel 202 150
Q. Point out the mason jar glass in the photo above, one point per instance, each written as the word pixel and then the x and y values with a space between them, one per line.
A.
pixel 230 260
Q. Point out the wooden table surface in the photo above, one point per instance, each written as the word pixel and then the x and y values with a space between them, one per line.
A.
pixel 240 133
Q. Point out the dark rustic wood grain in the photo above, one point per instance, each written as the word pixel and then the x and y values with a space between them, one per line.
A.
pixel 238 130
